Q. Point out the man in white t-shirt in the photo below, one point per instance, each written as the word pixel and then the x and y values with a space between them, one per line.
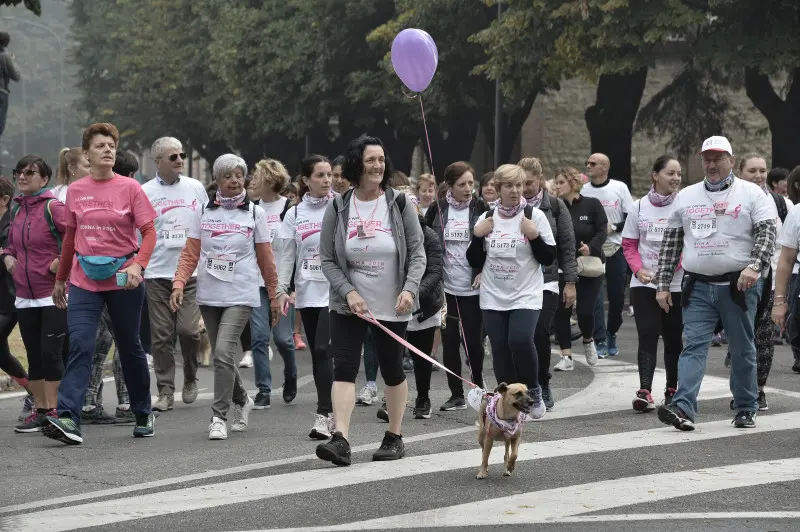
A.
pixel 725 228
pixel 617 202
pixel 177 200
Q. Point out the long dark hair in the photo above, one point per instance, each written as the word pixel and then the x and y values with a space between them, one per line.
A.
pixel 353 167
pixel 793 185
pixel 307 170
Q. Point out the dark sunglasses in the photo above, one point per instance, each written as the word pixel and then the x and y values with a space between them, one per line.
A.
pixel 26 173
pixel 174 156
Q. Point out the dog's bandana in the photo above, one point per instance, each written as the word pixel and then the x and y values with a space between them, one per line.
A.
pixel 509 428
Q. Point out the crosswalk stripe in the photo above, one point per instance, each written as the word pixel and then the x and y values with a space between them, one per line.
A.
pixel 553 505
pixel 251 489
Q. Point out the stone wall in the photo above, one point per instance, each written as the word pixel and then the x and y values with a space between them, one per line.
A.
pixel 556 131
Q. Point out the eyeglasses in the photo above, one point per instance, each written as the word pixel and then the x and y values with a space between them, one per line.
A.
pixel 591 163
pixel 27 173
pixel 174 156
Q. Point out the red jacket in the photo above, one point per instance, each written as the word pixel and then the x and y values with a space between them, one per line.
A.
pixel 32 243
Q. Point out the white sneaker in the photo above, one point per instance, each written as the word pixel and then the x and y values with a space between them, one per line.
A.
pixel 241 414
pixel 149 358
pixel 565 364
pixel 218 430
pixel 591 353
pixel 322 427
pixel 367 395
pixel 538 409
pixel 247 360
pixel 269 352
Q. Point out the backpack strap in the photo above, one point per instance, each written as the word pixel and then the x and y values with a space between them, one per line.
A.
pixel 48 215
pixel 401 201
pixel 286 207
pixel 780 203
pixel 529 212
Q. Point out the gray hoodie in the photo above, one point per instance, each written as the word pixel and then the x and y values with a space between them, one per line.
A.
pixel 408 238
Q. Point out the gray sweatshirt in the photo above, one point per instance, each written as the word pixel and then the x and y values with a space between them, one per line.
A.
pixel 408 238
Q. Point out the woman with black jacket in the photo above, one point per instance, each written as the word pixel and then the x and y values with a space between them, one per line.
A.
pixel 453 220
pixel 8 312
pixel 560 221
pixel 589 223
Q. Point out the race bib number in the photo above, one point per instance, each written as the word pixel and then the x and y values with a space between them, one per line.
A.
pixel 174 238
pixel 655 231
pixel 703 227
pixel 502 247
pixel 312 269
pixel 221 266
pixel 456 232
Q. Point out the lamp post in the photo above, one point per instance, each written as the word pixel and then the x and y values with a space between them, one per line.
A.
pixel 60 65
pixel 498 106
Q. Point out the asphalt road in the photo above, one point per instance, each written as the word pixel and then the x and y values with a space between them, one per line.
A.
pixel 591 464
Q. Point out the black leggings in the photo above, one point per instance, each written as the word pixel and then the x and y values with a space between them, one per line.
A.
pixel 541 337
pixel 652 322
pixel 318 332
pixel 347 340
pixel 43 330
pixel 472 322
pixel 513 351
pixel 9 362
pixel 422 340
pixel 587 290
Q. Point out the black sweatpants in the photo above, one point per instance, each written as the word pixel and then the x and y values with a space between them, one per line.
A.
pixel 541 337
pixel 586 293
pixel 652 322
pixel 422 340
pixel 318 332
pixel 472 322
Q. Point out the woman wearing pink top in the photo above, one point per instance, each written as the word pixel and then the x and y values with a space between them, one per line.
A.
pixel 641 244
pixel 103 262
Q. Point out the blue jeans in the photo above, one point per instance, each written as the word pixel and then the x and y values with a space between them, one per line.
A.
pixel 84 309
pixel 514 354
pixel 260 333
pixel 615 281
pixel 707 304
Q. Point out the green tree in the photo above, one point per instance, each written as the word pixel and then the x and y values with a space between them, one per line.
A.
pixel 34 6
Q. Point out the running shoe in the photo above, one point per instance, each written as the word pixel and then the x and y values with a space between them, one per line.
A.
pixel 241 415
pixel 27 408
pixel 335 450
pixel 716 340
pixel 189 392
pixel 613 349
pixel 321 429
pixel 165 402
pixel 744 420
pixel 32 423
pixel 367 395
pixel 63 429
pixel 123 416
pixel 592 352
pixel 565 364
pixel 247 360
pixel 145 426
pixel 391 448
pixel 456 402
pixel 408 364
pixel 217 430
pixel 643 402
pixel 422 408
pixel 601 349
pixel 97 416
pixel 763 406
pixel 673 415
pixel 382 413
pixel 289 390
pixel 262 401
pixel 538 408
pixel 669 393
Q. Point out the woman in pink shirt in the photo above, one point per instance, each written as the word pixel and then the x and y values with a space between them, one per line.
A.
pixel 103 262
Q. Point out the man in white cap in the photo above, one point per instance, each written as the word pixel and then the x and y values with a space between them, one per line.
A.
pixel 725 228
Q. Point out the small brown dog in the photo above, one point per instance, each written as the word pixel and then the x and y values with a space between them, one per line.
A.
pixel 501 418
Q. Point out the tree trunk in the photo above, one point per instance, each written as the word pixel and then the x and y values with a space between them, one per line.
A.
pixel 457 146
pixel 783 116
pixel 610 120
pixel 511 125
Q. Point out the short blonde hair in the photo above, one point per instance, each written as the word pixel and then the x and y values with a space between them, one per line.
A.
pixel 425 179
pixel 272 173
pixel 572 176
pixel 508 174
pixel 532 165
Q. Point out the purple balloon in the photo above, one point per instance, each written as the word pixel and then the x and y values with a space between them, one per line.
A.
pixel 415 58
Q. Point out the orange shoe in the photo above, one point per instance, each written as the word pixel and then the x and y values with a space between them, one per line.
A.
pixel 298 342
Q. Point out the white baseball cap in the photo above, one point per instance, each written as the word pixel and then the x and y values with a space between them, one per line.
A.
pixel 717 143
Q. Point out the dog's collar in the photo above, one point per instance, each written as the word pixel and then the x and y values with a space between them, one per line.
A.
pixel 509 428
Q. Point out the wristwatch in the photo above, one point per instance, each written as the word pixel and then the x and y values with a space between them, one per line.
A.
pixel 756 267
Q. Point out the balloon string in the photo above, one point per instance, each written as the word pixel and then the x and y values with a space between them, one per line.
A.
pixel 444 244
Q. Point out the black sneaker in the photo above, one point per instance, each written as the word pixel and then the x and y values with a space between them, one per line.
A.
pixel 391 449
pixel 669 393
pixel 262 401
pixel 673 415
pixel 97 416
pixel 63 429
pixel 422 408
pixel 335 450
pixel 547 396
pixel 289 390
pixel 744 420
pixel 124 416
pixel 763 406
pixel 32 423
pixel 145 426
pixel 454 403
pixel 382 413
pixel 408 364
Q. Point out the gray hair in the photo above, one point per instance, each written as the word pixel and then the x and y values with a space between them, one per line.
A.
pixel 163 144
pixel 228 163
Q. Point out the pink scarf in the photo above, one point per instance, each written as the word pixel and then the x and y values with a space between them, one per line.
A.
pixel 537 199
pixel 316 202
pixel 509 428
pixel 510 212
pixel 232 202
pixel 457 205
pixel 659 200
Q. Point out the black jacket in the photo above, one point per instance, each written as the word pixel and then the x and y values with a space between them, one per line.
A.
pixel 432 219
pixel 7 290
pixel 561 223
pixel 589 222
pixel 431 287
